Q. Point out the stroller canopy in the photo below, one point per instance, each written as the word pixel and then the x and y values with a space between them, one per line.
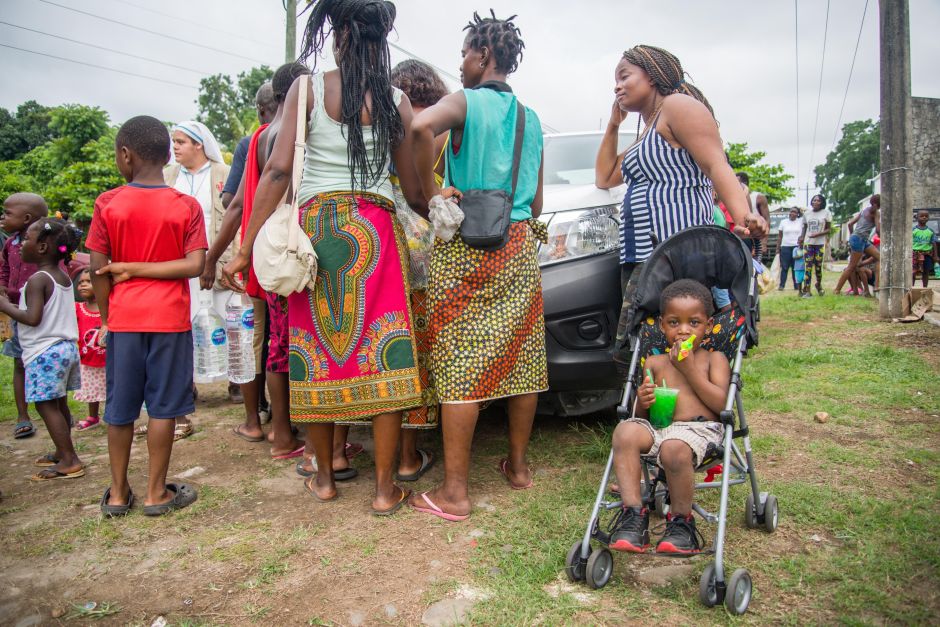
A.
pixel 711 255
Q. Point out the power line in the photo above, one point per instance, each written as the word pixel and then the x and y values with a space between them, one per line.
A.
pixel 203 26
pixel 822 67
pixel 796 46
pixel 151 32
pixel 851 69
pixel 121 52
pixel 100 67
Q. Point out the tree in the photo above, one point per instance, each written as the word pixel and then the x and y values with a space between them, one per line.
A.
pixel 844 178
pixel 769 180
pixel 227 105
pixel 25 130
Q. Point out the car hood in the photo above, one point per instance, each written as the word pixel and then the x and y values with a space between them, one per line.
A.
pixel 566 197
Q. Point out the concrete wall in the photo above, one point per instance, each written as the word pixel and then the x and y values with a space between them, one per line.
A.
pixel 926 152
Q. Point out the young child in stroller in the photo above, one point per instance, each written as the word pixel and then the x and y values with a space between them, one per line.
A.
pixel 702 378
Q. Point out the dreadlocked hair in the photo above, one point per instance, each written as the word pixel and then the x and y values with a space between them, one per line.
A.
pixel 60 235
pixel 360 28
pixel 501 37
pixel 666 72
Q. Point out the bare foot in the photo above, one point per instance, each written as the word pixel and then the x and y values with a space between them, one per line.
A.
pixel 451 504
pixel 325 491
pixel 519 479
pixel 277 450
pixel 114 499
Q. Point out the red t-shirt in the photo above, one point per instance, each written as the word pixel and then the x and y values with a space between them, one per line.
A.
pixel 252 178
pixel 147 224
pixel 89 324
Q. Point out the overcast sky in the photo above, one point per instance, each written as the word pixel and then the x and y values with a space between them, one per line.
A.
pixel 741 53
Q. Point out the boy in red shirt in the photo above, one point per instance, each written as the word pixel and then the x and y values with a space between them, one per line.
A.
pixel 146 240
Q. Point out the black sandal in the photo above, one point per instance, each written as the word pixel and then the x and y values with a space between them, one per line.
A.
pixel 183 495
pixel 113 511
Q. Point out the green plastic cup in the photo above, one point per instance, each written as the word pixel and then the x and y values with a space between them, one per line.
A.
pixel 664 407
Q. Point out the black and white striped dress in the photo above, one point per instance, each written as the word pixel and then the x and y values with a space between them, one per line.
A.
pixel 666 193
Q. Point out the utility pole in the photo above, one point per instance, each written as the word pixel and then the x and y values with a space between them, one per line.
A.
pixel 290 40
pixel 896 131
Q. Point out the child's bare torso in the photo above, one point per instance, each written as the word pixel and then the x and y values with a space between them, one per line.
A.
pixel 688 405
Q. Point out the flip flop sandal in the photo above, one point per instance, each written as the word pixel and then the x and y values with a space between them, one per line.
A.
pixel 427 460
pixel 313 493
pixel 23 429
pixel 140 431
pixel 113 511
pixel 504 469
pixel 183 431
pixel 394 508
pixel 49 459
pixel 50 473
pixel 303 472
pixel 87 423
pixel 295 453
pixel 434 510
pixel 346 474
pixel 183 495
pixel 247 438
pixel 353 450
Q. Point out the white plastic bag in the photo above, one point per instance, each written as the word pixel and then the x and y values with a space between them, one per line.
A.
pixel 420 238
pixel 446 217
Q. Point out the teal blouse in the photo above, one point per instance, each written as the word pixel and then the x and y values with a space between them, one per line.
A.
pixel 484 160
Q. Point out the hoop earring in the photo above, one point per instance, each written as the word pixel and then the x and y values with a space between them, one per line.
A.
pixel 482 65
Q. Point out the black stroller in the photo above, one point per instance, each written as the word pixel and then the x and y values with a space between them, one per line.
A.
pixel 715 258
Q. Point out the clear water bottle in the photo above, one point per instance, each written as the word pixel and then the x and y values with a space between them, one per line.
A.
pixel 209 342
pixel 240 328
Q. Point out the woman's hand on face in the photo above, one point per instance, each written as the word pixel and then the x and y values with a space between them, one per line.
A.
pixel 239 263
pixel 617 115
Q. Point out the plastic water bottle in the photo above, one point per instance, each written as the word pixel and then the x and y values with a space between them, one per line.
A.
pixel 209 345
pixel 240 328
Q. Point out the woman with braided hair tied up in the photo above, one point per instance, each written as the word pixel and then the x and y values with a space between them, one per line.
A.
pixel 487 325
pixel 671 167
pixel 352 350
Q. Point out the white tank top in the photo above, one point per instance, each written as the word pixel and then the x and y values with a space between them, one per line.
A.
pixel 58 320
pixel 326 167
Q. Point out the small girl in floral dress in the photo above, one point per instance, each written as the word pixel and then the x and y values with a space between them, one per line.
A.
pixel 91 353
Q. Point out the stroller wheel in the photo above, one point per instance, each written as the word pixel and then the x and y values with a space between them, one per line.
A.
pixel 600 566
pixel 574 567
pixel 738 594
pixel 770 514
pixel 707 591
pixel 750 512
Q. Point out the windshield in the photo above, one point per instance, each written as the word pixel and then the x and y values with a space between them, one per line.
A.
pixel 569 159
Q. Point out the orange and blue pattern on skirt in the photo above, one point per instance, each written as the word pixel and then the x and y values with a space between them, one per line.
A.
pixel 427 414
pixel 352 350
pixel 487 326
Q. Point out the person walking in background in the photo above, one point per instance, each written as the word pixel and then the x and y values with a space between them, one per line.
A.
pixel 861 228
pixel 146 239
pixel 91 353
pixel 925 248
pixel 671 167
pixel 48 335
pixel 487 325
pixel 816 224
pixel 789 236
pixel 19 212
pixel 352 349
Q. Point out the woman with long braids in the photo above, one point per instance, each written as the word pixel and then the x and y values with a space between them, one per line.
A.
pixel 352 351
pixel 671 167
pixel 487 325
pixel 669 171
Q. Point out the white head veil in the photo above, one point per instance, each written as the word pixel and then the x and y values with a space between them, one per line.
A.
pixel 201 134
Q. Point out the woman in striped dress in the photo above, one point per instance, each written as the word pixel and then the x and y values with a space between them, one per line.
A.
pixel 671 167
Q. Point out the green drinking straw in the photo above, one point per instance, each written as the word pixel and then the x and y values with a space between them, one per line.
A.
pixel 649 373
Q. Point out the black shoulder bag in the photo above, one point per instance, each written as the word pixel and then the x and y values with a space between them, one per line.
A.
pixel 487 211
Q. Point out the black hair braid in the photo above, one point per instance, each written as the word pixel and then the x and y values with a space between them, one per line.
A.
pixel 360 28
pixel 666 72
pixel 63 237
pixel 501 37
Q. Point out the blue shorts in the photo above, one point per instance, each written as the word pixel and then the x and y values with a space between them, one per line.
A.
pixel 156 368
pixel 12 348
pixel 857 244
pixel 52 373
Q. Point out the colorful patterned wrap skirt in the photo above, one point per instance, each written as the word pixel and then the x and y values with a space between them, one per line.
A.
pixel 487 322
pixel 352 350
pixel 426 416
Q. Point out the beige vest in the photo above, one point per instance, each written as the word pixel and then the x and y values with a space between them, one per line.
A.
pixel 218 173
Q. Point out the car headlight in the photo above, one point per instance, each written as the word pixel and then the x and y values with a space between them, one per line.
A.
pixel 581 233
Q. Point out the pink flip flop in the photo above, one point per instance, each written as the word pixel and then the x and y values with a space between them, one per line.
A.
pixel 291 455
pixel 504 469
pixel 434 510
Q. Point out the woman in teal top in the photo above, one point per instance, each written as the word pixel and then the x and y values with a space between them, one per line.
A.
pixel 487 326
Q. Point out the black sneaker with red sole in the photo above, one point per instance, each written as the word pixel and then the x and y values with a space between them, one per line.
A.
pixel 681 536
pixel 629 530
